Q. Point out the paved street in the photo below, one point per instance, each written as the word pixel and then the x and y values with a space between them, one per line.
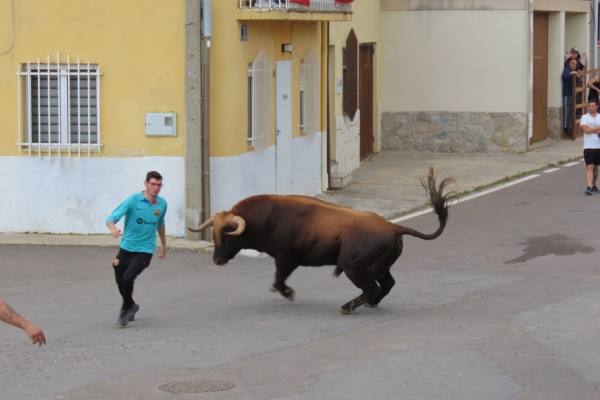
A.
pixel 504 305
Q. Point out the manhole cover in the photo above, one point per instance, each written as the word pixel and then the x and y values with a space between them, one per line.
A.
pixel 196 386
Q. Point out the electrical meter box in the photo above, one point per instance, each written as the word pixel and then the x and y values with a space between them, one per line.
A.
pixel 161 124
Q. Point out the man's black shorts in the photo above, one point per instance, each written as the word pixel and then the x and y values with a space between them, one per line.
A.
pixel 591 156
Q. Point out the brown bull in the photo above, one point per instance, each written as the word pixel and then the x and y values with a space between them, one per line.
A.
pixel 299 230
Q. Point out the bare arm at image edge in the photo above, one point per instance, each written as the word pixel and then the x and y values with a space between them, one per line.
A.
pixel 10 316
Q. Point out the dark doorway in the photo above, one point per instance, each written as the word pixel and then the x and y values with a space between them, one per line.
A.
pixel 540 77
pixel 366 99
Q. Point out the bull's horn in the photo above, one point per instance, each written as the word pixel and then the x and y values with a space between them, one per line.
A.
pixel 241 225
pixel 202 226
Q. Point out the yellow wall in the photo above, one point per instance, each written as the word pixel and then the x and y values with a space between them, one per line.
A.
pixel 139 46
pixel 229 71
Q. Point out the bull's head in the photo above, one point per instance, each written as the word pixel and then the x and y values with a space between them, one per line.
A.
pixel 227 235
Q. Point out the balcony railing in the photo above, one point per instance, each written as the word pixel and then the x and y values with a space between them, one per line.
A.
pixel 289 5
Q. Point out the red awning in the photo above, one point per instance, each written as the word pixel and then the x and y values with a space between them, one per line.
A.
pixel 303 2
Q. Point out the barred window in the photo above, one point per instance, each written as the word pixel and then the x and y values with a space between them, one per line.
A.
pixel 309 94
pixel 260 100
pixel 60 110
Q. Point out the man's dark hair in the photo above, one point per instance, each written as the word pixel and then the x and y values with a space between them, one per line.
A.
pixel 153 174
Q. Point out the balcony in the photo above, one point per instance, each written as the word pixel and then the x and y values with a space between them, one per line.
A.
pixel 314 10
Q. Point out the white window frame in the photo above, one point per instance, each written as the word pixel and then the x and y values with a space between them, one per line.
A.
pixel 64 113
pixel 260 102
pixel 309 95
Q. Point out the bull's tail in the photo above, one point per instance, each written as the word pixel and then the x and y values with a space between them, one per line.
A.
pixel 438 201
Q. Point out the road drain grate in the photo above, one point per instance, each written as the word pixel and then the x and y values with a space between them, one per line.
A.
pixel 196 386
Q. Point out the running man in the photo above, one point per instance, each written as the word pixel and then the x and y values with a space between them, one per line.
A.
pixel 144 216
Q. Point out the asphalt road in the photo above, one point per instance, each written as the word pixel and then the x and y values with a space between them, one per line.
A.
pixel 504 305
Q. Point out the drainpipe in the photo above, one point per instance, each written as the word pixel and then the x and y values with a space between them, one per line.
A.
pixel 327 114
pixel 529 24
pixel 595 33
pixel 193 160
pixel 205 117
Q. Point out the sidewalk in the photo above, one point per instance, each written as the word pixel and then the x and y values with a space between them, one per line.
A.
pixel 388 185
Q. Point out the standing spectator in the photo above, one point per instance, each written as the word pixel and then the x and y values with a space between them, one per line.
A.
pixel 573 54
pixel 582 62
pixel 10 316
pixel 567 93
pixel 590 124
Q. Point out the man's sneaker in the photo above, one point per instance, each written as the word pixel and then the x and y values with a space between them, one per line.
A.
pixel 134 309
pixel 123 317
pixel 589 191
pixel 595 189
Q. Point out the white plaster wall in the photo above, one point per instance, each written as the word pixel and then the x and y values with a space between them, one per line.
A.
pixel 576 32
pixel 556 57
pixel 76 195
pixel 237 177
pixel 348 148
pixel 454 60
pixel 306 164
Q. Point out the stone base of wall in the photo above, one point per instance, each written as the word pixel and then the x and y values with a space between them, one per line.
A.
pixel 554 123
pixel 347 154
pixel 454 131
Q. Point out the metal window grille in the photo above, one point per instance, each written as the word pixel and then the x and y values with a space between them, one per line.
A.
pixel 260 101
pixel 313 5
pixel 60 110
pixel 309 93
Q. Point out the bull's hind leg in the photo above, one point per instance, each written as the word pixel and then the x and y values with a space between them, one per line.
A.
pixel 370 292
pixel 283 271
pixel 386 283
pixel 383 276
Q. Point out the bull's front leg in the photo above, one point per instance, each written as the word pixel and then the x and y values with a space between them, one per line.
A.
pixel 284 268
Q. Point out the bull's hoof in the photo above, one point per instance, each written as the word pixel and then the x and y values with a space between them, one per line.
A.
pixel 345 310
pixel 288 293
pixel 272 289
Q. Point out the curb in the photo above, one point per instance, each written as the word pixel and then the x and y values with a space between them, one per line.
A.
pixel 480 188
pixel 102 241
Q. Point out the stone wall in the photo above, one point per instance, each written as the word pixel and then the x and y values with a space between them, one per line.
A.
pixel 554 123
pixel 347 157
pixel 454 131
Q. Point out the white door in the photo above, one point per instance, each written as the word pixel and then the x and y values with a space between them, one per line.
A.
pixel 283 125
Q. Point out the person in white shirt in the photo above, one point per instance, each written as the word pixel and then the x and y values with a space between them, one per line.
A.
pixel 590 124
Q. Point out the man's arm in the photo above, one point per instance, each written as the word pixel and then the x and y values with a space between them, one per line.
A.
pixel 116 215
pixel 566 74
pixel 588 129
pixel 162 250
pixel 10 316
pixel 114 231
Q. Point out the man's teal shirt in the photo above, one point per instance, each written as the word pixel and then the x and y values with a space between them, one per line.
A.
pixel 142 220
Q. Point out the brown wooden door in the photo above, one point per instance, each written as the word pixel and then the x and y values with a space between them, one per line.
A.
pixel 540 77
pixel 366 99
